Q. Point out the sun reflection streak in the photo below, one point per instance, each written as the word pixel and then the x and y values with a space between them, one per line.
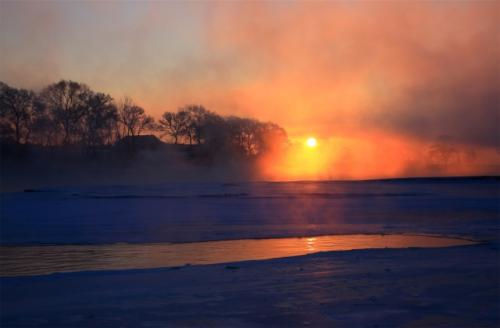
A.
pixel 311 244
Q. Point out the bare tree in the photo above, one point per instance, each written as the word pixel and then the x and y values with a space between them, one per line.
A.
pixel 133 118
pixel 68 112
pixel 174 125
pixel 214 133
pixel 65 101
pixel 100 120
pixel 200 121
pixel 252 138
pixel 16 112
pixel 245 135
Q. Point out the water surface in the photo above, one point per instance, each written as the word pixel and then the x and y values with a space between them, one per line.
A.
pixel 39 260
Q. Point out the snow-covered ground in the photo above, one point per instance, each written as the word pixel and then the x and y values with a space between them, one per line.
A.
pixel 446 287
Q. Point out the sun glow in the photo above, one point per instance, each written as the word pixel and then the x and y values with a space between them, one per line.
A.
pixel 306 158
pixel 311 142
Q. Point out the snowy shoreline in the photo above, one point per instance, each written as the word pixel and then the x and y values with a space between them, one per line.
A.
pixel 456 286
pixel 414 287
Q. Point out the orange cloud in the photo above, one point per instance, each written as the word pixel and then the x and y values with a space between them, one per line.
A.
pixel 389 88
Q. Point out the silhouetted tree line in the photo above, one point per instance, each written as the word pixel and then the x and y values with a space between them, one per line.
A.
pixel 195 125
pixel 69 113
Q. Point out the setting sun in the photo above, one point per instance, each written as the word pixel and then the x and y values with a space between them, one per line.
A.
pixel 311 142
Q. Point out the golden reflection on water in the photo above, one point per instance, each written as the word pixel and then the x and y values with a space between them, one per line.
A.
pixel 35 260
pixel 310 244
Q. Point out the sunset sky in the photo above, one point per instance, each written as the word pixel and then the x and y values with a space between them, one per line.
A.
pixel 388 88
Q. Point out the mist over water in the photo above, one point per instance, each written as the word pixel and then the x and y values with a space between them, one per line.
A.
pixel 187 212
pixel 159 134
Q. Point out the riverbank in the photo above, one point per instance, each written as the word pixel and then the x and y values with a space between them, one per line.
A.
pixel 439 287
pixel 446 287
